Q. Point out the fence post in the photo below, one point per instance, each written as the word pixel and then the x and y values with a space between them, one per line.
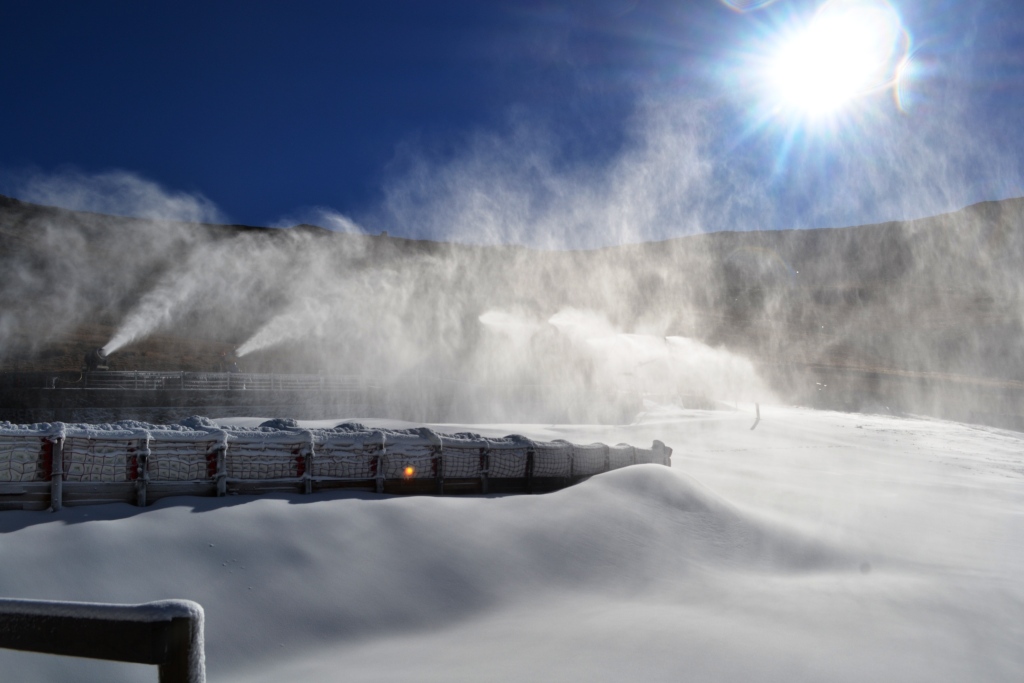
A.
pixel 485 467
pixel 529 470
pixel 439 469
pixel 307 474
pixel 142 474
pixel 222 470
pixel 57 473
pixel 379 466
pixel 607 458
pixel 664 451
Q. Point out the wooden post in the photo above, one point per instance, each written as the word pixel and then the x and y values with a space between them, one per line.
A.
pixel 379 467
pixel 529 470
pixel 307 474
pixel 57 473
pixel 222 470
pixel 485 467
pixel 664 451
pixel 438 460
pixel 142 474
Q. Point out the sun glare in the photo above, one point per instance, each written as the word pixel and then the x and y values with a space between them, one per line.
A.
pixel 849 48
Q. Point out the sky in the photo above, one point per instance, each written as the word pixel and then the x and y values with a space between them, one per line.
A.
pixel 492 121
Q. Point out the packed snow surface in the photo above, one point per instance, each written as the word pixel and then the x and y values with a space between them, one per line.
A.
pixel 819 546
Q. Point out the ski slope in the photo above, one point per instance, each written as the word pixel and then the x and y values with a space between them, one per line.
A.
pixel 819 546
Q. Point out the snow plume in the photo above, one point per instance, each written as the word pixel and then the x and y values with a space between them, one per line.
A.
pixel 117 193
pixel 306 318
pixel 226 281
pixel 682 169
pixel 517 186
pixel 62 269
pixel 659 364
pixel 321 217
pixel 489 326
pixel 585 366
pixel 157 309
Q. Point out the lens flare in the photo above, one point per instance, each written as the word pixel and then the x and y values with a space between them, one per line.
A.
pixel 849 48
pixel 746 5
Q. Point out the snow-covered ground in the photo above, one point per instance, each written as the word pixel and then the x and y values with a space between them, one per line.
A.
pixel 819 547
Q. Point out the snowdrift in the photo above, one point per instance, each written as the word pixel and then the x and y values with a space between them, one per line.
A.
pixel 821 546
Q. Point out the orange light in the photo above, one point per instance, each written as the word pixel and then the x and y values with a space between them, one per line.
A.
pixel 409 470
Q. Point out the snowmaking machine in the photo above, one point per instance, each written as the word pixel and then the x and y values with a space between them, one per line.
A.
pixel 96 360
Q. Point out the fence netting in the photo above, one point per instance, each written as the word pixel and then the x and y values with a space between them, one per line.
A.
pixel 100 459
pixel 182 460
pixel 348 459
pixel 589 459
pixel 22 459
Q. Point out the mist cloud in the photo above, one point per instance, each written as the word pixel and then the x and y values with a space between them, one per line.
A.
pixel 118 193
pixel 480 329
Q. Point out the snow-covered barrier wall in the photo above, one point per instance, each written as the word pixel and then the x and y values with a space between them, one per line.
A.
pixel 52 464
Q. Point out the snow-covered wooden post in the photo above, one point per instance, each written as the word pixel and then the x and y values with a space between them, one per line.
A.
pixel 607 458
pixel 378 466
pixel 307 472
pixel 530 456
pixel 437 449
pixel 56 444
pixel 664 452
pixel 142 470
pixel 485 466
pixel 221 475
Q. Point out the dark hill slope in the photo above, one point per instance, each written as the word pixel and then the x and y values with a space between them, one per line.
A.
pixel 933 298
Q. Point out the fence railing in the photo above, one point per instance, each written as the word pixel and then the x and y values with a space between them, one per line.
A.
pixel 221 381
pixel 168 633
pixel 50 464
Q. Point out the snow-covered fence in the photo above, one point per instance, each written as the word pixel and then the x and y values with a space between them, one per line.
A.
pixel 168 633
pixel 51 464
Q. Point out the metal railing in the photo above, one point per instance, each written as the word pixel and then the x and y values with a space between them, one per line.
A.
pixel 168 634
pixel 221 381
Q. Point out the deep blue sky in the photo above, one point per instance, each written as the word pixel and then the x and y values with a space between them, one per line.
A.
pixel 269 107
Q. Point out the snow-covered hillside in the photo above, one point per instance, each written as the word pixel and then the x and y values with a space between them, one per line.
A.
pixel 819 546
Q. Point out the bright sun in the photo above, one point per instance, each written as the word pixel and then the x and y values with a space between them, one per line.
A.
pixel 849 48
